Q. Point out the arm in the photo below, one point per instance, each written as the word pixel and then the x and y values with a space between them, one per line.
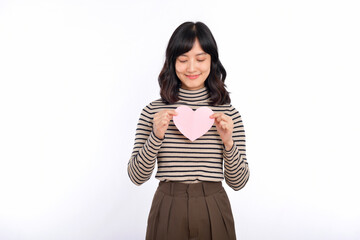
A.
pixel 146 147
pixel 236 170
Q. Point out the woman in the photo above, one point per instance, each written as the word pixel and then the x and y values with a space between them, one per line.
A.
pixel 190 201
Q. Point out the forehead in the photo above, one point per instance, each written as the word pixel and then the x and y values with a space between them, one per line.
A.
pixel 196 50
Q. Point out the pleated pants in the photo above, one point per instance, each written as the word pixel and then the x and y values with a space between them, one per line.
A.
pixel 181 211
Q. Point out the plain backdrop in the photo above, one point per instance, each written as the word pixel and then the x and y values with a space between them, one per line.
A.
pixel 76 74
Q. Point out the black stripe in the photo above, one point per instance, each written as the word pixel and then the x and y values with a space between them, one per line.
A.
pixel 169 147
pixel 189 166
pixel 186 157
pixel 185 171
pixel 199 175
pixel 189 152
pixel 198 161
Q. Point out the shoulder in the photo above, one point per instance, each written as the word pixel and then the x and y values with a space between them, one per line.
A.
pixel 154 106
pixel 228 109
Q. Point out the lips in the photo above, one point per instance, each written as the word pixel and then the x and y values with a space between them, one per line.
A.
pixel 192 76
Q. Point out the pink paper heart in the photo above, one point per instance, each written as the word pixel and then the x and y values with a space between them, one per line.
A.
pixel 193 124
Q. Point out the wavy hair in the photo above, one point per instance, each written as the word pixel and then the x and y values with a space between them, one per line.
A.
pixel 182 41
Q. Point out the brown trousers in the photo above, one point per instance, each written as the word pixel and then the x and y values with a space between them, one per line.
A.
pixel 182 211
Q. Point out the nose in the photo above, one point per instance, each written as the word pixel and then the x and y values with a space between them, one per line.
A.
pixel 191 66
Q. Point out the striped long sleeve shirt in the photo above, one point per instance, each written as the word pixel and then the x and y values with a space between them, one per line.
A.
pixel 179 159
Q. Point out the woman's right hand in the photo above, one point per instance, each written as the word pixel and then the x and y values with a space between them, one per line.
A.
pixel 161 122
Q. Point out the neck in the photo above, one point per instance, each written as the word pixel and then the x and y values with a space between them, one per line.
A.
pixel 201 94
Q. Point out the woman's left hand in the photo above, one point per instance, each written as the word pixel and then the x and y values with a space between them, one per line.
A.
pixel 224 125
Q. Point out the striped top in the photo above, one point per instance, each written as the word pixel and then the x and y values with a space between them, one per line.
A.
pixel 179 159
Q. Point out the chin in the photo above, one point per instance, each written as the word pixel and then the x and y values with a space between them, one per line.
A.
pixel 193 85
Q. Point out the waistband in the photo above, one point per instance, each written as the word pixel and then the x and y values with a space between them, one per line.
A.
pixel 189 190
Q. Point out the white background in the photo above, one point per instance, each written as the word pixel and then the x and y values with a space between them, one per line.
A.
pixel 76 74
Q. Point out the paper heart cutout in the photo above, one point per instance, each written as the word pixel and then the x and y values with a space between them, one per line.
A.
pixel 193 124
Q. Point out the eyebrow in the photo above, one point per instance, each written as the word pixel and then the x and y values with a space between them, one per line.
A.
pixel 203 53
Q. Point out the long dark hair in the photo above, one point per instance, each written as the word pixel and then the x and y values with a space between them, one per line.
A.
pixel 182 41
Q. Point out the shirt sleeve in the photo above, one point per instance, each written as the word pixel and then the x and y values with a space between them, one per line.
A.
pixel 236 169
pixel 146 147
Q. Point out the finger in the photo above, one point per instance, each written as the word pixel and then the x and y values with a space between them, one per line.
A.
pixel 223 125
pixel 164 122
pixel 221 118
pixel 172 112
pixel 219 124
pixel 166 112
pixel 215 115
pixel 169 115
pixel 226 118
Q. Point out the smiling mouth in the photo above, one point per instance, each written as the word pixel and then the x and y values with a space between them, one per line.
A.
pixel 192 76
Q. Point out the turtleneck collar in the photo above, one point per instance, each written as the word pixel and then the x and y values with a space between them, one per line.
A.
pixel 201 94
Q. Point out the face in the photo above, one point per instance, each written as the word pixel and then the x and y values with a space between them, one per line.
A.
pixel 193 67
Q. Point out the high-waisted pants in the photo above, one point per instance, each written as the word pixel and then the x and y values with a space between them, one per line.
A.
pixel 181 211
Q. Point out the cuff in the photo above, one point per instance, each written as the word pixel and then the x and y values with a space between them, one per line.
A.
pixel 155 139
pixel 229 154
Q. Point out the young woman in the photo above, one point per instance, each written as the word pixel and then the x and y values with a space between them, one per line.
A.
pixel 190 201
